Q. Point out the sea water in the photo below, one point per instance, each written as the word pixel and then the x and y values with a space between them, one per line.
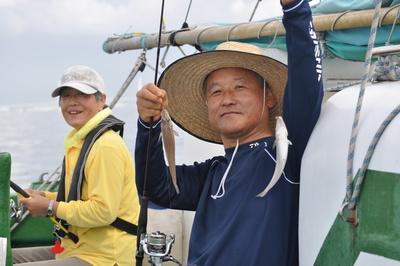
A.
pixel 34 133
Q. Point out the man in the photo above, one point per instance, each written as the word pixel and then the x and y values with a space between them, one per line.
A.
pixel 232 96
pixel 97 201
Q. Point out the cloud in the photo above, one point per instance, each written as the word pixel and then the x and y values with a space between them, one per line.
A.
pixel 41 38
pixel 77 17
pixel 63 17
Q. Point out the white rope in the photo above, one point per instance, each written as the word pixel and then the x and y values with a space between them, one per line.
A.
pixel 349 187
pixel 222 183
pixel 368 156
pixel 386 69
pixel 341 87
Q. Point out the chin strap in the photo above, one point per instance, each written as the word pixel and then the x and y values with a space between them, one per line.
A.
pixel 222 183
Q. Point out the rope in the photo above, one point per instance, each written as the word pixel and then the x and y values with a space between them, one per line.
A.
pixel 139 66
pixel 386 69
pixel 233 27
pixel 275 35
pixel 185 25
pixel 349 187
pixel 341 87
pixel 394 24
pixel 387 11
pixel 254 10
pixel 262 27
pixel 337 18
pixel 368 156
pixel 162 64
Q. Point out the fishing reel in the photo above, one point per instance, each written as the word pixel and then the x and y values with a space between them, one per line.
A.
pixel 158 248
pixel 16 212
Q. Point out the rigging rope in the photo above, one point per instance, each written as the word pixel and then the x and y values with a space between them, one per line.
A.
pixel 254 10
pixel 341 87
pixel 185 25
pixel 394 23
pixel 139 66
pixel 368 156
pixel 387 68
pixel 349 187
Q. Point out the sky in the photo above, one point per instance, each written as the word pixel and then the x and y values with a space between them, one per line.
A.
pixel 41 38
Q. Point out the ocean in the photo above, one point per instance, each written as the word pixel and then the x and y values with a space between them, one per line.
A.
pixel 34 133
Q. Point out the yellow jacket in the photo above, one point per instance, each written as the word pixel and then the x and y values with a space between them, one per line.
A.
pixel 108 192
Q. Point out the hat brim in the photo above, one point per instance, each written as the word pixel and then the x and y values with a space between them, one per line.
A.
pixel 183 81
pixel 86 89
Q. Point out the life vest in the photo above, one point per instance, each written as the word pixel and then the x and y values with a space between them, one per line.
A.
pixel 75 191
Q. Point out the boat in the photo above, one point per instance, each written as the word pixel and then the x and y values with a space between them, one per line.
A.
pixel 330 233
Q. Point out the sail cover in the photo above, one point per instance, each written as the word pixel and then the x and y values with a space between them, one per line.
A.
pixel 349 40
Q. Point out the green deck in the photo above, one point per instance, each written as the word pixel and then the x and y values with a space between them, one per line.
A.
pixel 378 231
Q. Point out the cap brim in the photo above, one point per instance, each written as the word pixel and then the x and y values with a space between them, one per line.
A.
pixel 86 89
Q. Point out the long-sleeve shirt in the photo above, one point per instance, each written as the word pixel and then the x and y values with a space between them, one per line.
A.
pixel 108 191
pixel 240 228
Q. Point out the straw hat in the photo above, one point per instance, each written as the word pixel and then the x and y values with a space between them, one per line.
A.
pixel 183 81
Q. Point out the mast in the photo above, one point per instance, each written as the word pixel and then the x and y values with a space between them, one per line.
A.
pixel 204 34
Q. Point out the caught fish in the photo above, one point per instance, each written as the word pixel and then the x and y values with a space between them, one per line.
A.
pixel 282 146
pixel 167 134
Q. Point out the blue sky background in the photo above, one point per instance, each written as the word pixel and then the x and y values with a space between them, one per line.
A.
pixel 41 38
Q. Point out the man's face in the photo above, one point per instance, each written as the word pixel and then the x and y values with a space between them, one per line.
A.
pixel 78 108
pixel 235 104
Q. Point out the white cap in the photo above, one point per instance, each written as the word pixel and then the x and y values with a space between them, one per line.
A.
pixel 81 78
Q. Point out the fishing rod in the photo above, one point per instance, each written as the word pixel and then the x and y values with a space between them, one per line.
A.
pixel 22 193
pixel 155 245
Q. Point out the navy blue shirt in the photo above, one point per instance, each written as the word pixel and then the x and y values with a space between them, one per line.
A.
pixel 240 228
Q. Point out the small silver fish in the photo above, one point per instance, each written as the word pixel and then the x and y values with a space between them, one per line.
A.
pixel 282 146
pixel 167 134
